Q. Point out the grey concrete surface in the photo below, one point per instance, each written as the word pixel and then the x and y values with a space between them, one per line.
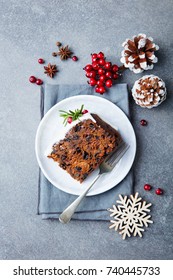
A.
pixel 29 30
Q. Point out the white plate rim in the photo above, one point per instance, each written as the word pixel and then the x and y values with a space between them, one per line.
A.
pixel 46 116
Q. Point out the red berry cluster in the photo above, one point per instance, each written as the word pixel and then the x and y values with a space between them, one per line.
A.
pixel 101 73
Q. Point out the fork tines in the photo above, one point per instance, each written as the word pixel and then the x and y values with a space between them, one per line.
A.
pixel 113 158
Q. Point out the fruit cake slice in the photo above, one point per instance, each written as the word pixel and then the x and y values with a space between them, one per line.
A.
pixel 85 147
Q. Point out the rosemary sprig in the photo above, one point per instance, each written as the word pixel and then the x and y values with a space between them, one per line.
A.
pixel 72 115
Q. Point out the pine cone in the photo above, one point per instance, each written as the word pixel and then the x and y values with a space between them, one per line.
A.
pixel 138 54
pixel 149 91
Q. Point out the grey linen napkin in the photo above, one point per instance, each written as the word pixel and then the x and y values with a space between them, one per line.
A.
pixel 53 201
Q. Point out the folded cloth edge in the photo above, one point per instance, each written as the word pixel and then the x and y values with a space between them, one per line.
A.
pixel 55 215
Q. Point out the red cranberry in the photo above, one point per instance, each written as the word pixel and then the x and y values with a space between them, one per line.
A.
pixel 100 55
pixel 84 111
pixel 92 74
pixel 101 71
pixel 94 55
pixel 102 78
pixel 94 59
pixel 101 61
pixel 108 74
pixel 109 83
pixel 108 65
pixel 39 82
pixel 147 187
pixel 97 89
pixel 92 82
pixel 69 120
pixel 101 90
pixel 115 76
pixel 159 191
pixel 100 83
pixel 88 67
pixel 143 122
pixel 32 79
pixel 95 65
pixel 74 58
pixel 41 60
pixel 114 68
pixel 87 74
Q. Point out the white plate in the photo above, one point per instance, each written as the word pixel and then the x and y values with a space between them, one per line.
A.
pixel 51 128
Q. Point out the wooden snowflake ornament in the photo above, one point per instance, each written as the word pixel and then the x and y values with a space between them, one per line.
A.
pixel 130 216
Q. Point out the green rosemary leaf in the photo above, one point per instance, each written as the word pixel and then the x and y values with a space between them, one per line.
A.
pixel 63 115
pixel 82 108
pixel 76 114
pixel 64 121
pixel 63 111
pixel 71 112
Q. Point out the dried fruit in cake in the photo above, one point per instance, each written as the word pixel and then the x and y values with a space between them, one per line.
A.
pixel 85 147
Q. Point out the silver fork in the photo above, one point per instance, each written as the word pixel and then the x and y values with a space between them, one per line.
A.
pixel 107 165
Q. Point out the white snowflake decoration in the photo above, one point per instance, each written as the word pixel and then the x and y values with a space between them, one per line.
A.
pixel 130 216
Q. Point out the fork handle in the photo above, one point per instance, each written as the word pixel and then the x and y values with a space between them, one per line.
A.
pixel 67 214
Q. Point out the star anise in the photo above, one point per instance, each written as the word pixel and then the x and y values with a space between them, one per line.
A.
pixel 64 53
pixel 50 70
